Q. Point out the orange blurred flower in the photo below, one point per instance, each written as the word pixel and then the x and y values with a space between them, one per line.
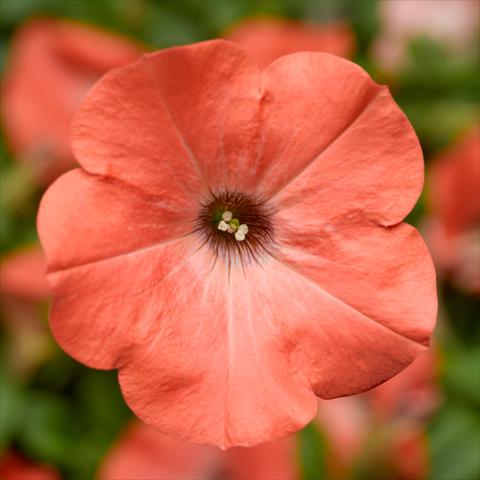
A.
pixel 267 39
pixel 51 65
pixel 23 275
pixel 143 453
pixel 453 231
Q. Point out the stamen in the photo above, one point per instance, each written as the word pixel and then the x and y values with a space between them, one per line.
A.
pixel 233 226
pixel 223 226
pixel 239 235
pixel 227 216
pixel 236 226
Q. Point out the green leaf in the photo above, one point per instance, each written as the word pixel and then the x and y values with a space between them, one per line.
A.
pixel 462 374
pixel 48 429
pixel 100 398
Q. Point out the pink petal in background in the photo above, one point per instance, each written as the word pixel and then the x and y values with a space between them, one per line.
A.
pixel 453 229
pixel 143 453
pixel 51 65
pixel 23 274
pixel 266 39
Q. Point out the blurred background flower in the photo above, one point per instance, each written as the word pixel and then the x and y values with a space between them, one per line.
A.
pixel 266 39
pixel 142 453
pixel 59 419
pixel 51 66
pixel 454 226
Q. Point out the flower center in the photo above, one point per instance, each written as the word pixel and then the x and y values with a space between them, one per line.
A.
pixel 232 225
pixel 235 225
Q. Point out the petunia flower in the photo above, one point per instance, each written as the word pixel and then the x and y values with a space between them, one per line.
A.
pixel 141 452
pixel 51 65
pixel 266 39
pixel 222 341
pixel 15 467
pixel 453 230
pixel 453 23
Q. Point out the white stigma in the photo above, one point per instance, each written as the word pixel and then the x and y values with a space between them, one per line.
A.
pixel 223 226
pixel 227 216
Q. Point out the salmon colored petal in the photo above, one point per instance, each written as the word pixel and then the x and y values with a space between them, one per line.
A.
pixel 143 453
pixel 348 259
pixel 265 40
pixel 309 99
pixel 265 346
pixel 104 308
pixel 183 114
pixel 315 330
pixel 85 218
pixel 342 150
pixel 90 274
pixel 241 142
pixel 22 274
pixel 211 90
pixel 210 351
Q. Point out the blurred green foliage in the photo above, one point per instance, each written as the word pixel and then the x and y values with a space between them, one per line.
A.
pixel 65 415
pixel 68 415
pixel 439 92
pixel 313 453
